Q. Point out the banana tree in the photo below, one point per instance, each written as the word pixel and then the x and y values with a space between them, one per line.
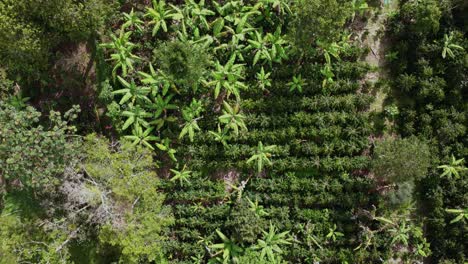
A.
pixel 232 119
pixel 197 12
pixel 155 80
pixel 263 79
pixel 262 156
pixel 358 7
pixel 449 46
pixel 123 56
pixel 181 176
pixel 259 210
pixel 228 249
pixel 132 20
pixel 220 136
pixel 328 75
pixel 142 137
pixel 333 234
pixel 136 116
pixel 453 169
pixel 162 104
pixel 165 146
pixel 271 243
pixel 281 6
pixel 228 77
pixel 297 84
pixel 462 214
pixel 278 49
pixel 132 93
pixel 159 14
pixel 191 115
pixel 400 233
pixel 259 44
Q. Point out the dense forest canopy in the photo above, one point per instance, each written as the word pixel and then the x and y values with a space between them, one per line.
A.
pixel 237 131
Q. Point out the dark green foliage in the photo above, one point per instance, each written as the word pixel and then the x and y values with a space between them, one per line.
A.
pixel 31 155
pixel 244 223
pixel 432 90
pixel 401 160
pixel 248 127
pixel 422 16
pixel 319 20
pixel 184 63
pixel 125 180
pixel 30 29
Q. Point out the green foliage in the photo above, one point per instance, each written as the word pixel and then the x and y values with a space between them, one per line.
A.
pixel 185 64
pixel 423 16
pixel 31 155
pixel 245 223
pixel 30 29
pixel 24 240
pixel 128 185
pixel 432 106
pixel 319 20
pixel 401 160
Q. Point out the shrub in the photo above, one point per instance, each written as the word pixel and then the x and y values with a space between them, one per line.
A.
pixel 423 16
pixel 184 63
pixel 400 160
pixel 31 155
pixel 319 20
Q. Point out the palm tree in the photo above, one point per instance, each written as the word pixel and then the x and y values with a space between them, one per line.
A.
pixel 228 248
pixel 232 118
pixel 132 92
pixel 159 14
pixel 123 57
pixel 262 155
pixel 271 243
pixel 142 137
pixel 453 169
pixel 449 46
pixel 181 176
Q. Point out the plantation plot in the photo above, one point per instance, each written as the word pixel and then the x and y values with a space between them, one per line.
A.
pixel 233 132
